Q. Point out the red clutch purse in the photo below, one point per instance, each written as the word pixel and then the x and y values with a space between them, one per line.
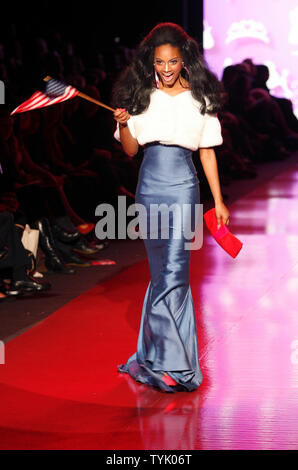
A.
pixel 231 244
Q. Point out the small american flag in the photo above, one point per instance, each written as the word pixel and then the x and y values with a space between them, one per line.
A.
pixel 55 92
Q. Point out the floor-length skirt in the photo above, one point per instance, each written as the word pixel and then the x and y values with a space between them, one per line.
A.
pixel 168 195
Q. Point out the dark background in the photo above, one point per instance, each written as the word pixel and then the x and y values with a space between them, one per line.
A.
pixel 98 22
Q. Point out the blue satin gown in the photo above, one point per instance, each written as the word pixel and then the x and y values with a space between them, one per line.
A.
pixel 167 340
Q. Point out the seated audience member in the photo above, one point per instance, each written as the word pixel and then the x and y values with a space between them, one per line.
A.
pixel 257 113
pixel 15 262
pixel 39 197
pixel 286 105
pixel 235 154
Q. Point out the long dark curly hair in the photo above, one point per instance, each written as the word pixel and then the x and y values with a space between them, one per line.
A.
pixel 133 88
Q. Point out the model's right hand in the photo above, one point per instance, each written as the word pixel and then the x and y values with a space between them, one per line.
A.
pixel 121 116
pixel 129 144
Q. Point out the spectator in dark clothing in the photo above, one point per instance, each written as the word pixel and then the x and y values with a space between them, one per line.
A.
pixel 15 262
pixel 258 114
pixel 286 106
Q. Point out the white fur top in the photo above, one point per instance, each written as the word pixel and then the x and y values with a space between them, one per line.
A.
pixel 175 120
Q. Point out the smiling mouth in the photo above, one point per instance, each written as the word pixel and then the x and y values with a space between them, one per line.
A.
pixel 167 77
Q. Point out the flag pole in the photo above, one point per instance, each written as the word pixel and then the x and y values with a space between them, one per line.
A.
pixel 86 97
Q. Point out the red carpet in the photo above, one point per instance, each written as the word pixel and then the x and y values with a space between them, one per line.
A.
pixel 60 388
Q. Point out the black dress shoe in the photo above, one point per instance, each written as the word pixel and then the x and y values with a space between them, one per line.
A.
pixel 58 266
pixel 8 292
pixel 68 256
pixel 7 298
pixel 63 234
pixel 84 248
pixel 30 285
pixel 96 242
pixel 53 261
pixel 72 260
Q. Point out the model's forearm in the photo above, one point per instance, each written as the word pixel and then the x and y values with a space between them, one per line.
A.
pixel 129 144
pixel 209 163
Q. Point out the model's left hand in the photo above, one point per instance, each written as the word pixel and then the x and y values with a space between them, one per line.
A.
pixel 222 213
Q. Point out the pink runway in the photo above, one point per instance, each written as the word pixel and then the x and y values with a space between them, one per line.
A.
pixel 60 388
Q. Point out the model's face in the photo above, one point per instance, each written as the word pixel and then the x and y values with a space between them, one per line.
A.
pixel 168 64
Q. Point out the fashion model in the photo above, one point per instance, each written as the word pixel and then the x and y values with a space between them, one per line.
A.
pixel 166 101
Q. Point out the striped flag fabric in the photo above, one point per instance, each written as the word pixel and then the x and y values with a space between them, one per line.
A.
pixel 55 92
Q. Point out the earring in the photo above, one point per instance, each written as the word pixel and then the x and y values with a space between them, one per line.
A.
pixel 156 78
pixel 184 66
